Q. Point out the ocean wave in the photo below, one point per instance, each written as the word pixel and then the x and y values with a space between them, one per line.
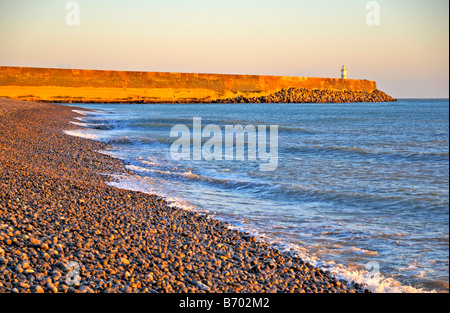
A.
pixel 82 134
pixel 168 170
pixel 363 251
pixel 155 122
pixel 369 275
pixel 90 112
pixel 130 140
pixel 101 126
pixel 85 113
pixel 148 185
pixel 92 125
pixel 186 175
pixel 79 124
pixel 268 189
pixel 150 163
pixel 365 153
pixel 292 129
pixel 151 125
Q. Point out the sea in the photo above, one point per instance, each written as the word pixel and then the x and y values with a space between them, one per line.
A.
pixel 359 189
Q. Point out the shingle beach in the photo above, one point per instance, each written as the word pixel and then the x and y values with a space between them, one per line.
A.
pixel 64 230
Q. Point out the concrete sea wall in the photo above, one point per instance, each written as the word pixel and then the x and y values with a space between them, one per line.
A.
pixel 73 85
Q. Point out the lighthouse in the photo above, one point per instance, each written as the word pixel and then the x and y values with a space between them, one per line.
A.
pixel 343 72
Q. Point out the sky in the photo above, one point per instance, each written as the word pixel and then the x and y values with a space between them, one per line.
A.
pixel 403 46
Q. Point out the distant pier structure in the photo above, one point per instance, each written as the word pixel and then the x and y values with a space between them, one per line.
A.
pixel 343 72
pixel 100 86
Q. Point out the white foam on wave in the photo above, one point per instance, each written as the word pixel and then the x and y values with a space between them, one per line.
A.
pixel 150 186
pixel 370 275
pixel 85 113
pixel 111 153
pixel 80 124
pixel 371 278
pixel 144 169
pixel 363 251
pixel 88 125
pixel 187 174
pixel 150 163
pixel 91 112
pixel 82 134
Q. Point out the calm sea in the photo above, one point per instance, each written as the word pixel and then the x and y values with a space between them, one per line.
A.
pixel 360 189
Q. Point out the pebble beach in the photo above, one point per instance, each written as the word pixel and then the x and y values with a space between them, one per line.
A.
pixel 63 229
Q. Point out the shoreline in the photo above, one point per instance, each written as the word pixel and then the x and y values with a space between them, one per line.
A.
pixel 64 229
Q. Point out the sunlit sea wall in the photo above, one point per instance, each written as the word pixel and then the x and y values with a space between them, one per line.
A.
pixel 99 86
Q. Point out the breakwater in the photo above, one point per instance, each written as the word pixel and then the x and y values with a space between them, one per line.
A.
pixel 100 86
pixel 294 95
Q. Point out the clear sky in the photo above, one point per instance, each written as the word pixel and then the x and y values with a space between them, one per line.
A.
pixel 407 53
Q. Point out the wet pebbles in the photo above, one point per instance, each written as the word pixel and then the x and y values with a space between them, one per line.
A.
pixel 63 230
